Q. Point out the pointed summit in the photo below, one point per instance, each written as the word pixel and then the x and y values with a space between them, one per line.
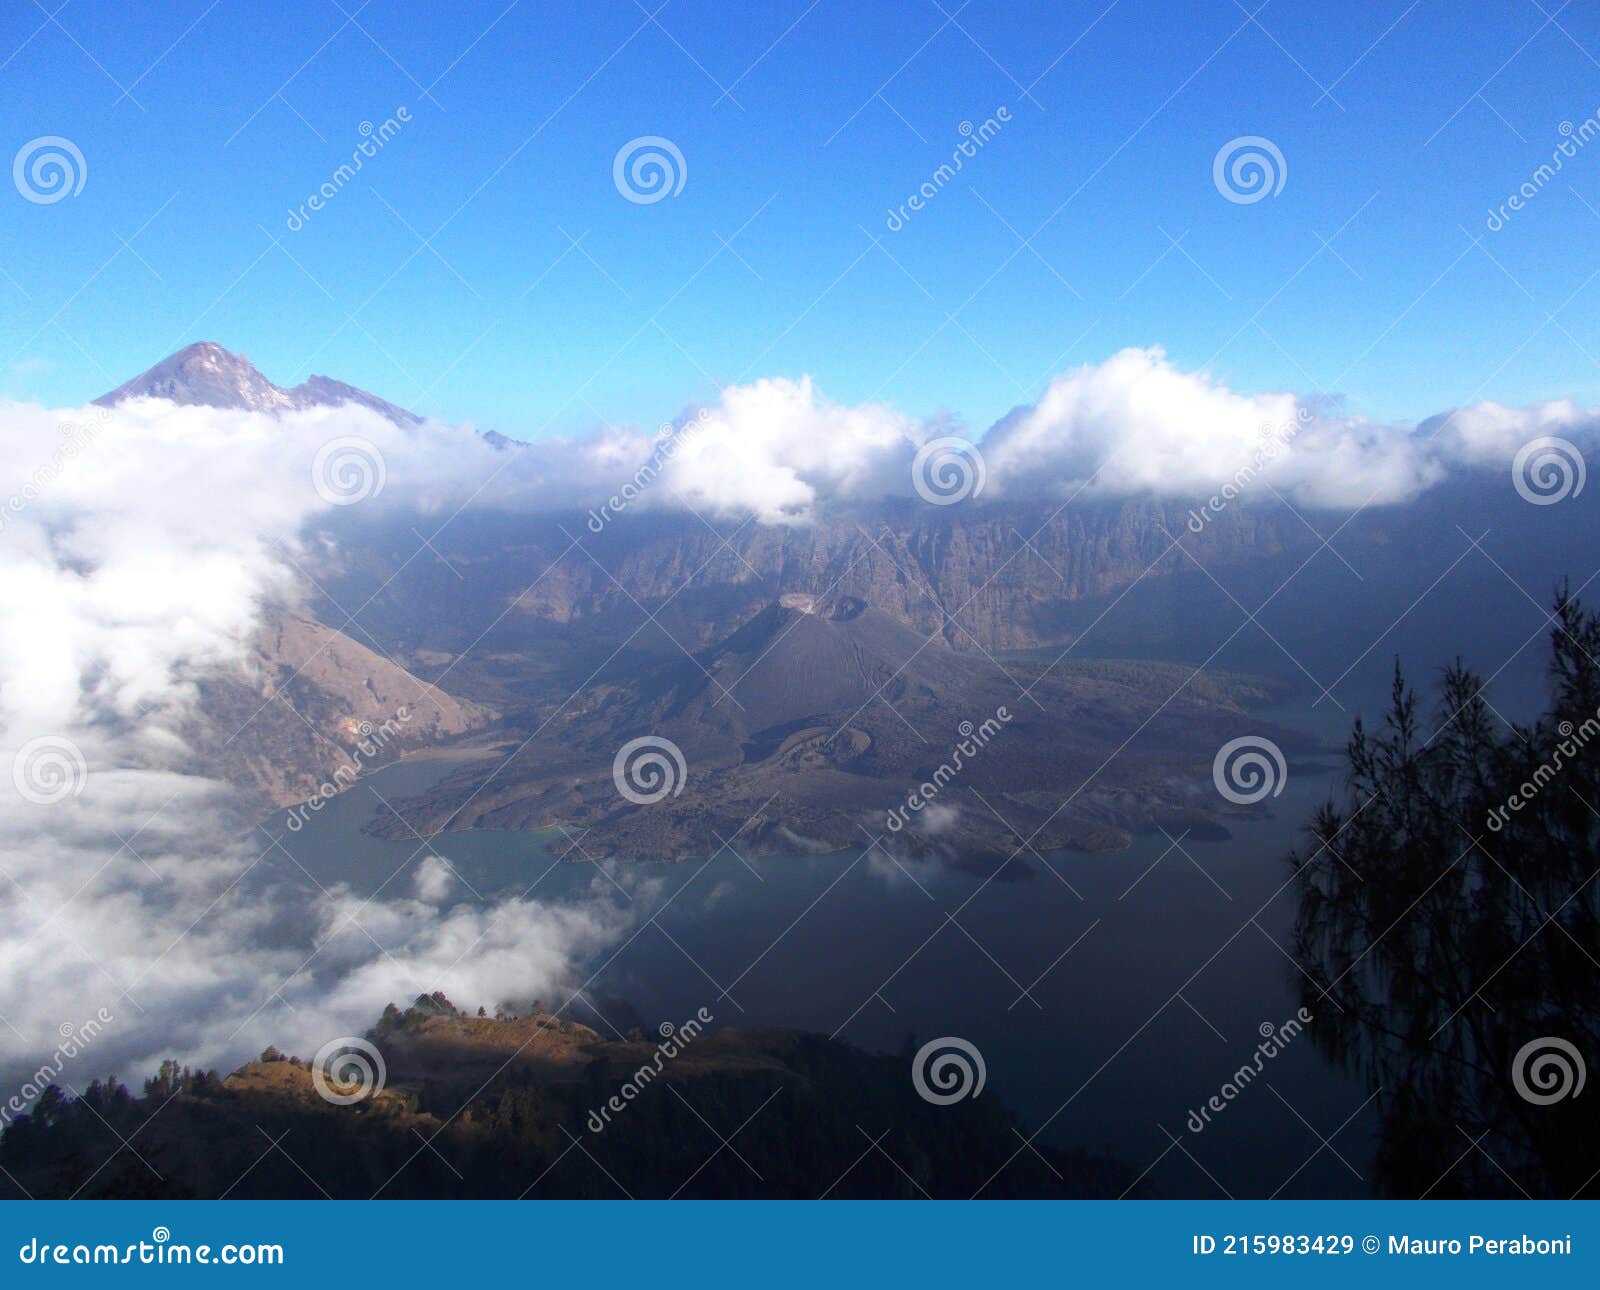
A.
pixel 207 375
pixel 204 374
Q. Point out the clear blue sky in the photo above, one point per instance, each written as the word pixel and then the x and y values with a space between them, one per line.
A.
pixel 1401 126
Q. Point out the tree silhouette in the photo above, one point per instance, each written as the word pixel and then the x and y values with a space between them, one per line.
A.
pixel 1448 925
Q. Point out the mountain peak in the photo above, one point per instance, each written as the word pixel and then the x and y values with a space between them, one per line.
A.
pixel 206 374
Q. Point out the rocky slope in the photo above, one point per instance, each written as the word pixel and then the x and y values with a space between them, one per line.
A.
pixel 311 706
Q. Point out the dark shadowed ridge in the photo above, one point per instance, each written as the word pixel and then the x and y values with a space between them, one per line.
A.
pixel 207 375
pixel 501 1101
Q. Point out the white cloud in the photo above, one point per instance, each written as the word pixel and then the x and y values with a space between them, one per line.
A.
pixel 778 448
pixel 129 879
pixel 1134 424
pixel 1491 432
pixel 1137 424
pixel 434 879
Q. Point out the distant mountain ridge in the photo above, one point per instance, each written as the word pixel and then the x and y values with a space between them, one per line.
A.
pixel 207 375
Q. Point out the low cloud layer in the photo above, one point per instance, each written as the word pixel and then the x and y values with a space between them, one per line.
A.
pixel 139 547
pixel 1132 425
pixel 137 551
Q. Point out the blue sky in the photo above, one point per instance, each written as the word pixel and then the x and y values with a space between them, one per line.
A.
pixel 543 301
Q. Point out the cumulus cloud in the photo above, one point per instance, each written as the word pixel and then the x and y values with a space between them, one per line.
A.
pixel 1137 424
pixel 1132 423
pixel 777 447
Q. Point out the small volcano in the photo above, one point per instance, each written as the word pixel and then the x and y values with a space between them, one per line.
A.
pixel 817 719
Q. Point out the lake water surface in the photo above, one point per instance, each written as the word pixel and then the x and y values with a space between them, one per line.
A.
pixel 1110 995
